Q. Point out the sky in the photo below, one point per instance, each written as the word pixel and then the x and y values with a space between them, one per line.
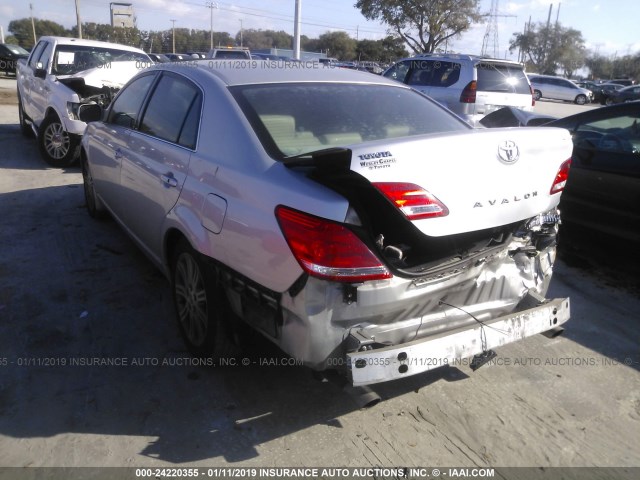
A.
pixel 607 26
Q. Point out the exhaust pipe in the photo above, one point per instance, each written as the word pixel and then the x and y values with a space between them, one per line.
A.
pixel 554 332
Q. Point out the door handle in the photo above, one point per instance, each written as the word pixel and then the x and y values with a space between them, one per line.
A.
pixel 169 180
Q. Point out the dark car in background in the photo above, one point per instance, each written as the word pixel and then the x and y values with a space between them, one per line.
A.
pixel 9 56
pixel 626 94
pixel 603 189
pixel 603 91
pixel 159 57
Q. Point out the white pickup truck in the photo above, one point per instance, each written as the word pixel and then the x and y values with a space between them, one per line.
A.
pixel 60 79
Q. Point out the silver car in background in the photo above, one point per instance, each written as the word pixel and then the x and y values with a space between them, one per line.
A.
pixel 354 222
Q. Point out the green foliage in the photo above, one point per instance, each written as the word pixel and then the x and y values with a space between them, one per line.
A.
pixel 605 68
pixel 23 31
pixel 549 49
pixel 423 24
pixel 385 50
pixel 264 39
pixel 338 44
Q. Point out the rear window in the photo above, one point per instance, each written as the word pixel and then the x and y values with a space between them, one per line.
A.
pixel 293 119
pixel 493 77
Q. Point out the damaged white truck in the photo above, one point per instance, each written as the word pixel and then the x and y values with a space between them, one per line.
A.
pixel 62 82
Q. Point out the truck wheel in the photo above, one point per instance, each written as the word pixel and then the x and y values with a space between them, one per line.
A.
pixel 25 127
pixel 200 304
pixel 57 147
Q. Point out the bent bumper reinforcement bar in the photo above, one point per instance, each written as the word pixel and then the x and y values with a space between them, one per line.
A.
pixel 398 361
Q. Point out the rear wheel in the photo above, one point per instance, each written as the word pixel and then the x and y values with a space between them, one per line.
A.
pixel 581 99
pixel 58 148
pixel 200 304
pixel 537 95
pixel 608 101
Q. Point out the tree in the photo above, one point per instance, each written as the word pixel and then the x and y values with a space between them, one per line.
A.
pixel 338 44
pixel 384 50
pixel 547 49
pixel 23 31
pixel 423 24
pixel 264 39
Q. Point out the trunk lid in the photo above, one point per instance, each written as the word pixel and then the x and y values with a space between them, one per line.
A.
pixel 485 178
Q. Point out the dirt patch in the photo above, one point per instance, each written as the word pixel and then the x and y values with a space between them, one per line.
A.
pixel 7 97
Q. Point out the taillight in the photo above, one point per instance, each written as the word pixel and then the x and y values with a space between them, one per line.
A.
pixel 468 95
pixel 533 98
pixel 412 200
pixel 327 249
pixel 561 178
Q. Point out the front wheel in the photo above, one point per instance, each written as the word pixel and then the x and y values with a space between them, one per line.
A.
pixel 200 304
pixel 537 95
pixel 58 148
pixel 581 99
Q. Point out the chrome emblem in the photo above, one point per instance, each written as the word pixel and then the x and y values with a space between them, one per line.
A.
pixel 508 152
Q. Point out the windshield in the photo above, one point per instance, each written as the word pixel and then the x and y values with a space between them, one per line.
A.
pixel 71 59
pixel 16 49
pixel 292 119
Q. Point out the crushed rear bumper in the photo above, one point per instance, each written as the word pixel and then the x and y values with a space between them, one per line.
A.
pixel 398 361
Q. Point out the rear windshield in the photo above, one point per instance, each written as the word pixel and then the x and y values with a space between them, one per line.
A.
pixel 293 119
pixel 494 77
pixel 233 54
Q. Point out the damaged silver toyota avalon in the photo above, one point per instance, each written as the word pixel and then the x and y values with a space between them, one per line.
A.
pixel 355 223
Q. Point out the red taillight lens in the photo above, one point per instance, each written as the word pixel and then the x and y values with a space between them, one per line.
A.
pixel 533 98
pixel 327 249
pixel 561 178
pixel 468 95
pixel 412 200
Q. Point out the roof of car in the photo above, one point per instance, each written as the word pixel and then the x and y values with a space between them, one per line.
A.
pixel 248 72
pixel 89 43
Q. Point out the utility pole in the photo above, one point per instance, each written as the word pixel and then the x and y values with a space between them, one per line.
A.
pixel 296 31
pixel 78 17
pixel 241 42
pixel 211 6
pixel 173 34
pixel 33 25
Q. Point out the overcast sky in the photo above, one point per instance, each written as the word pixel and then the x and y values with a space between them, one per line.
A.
pixel 607 26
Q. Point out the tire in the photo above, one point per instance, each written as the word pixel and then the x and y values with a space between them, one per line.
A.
pixel 25 127
pixel 94 205
pixel 537 95
pixel 608 101
pixel 200 303
pixel 581 99
pixel 57 147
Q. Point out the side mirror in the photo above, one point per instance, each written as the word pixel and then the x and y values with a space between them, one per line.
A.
pixel 90 113
pixel 40 73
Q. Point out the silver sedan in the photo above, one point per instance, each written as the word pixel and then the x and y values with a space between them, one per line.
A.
pixel 351 220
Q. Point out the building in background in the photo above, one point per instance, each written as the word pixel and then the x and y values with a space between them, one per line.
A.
pixel 122 15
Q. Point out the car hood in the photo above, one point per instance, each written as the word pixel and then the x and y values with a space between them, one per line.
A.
pixel 485 178
pixel 114 74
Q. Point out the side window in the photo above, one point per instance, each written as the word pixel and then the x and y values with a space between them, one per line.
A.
pixel 173 111
pixel 126 107
pixel 399 71
pixel 45 58
pixel 615 134
pixel 37 52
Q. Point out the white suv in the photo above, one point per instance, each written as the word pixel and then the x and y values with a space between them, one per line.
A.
pixel 468 85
